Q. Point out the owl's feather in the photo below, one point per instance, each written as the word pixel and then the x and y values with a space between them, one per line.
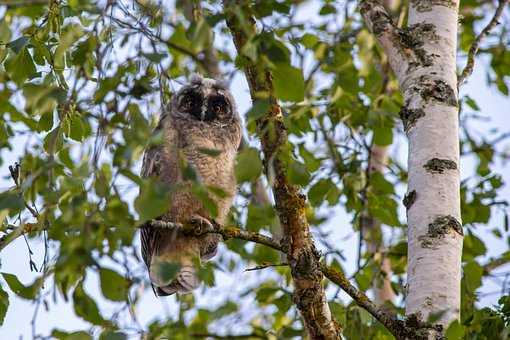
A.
pixel 185 137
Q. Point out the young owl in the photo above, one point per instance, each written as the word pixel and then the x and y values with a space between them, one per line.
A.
pixel 201 129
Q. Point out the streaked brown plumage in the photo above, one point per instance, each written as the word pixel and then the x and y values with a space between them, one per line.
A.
pixel 201 117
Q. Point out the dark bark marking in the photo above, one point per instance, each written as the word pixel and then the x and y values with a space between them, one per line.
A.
pixel 413 38
pixel 436 89
pixel 426 5
pixel 442 225
pixel 410 117
pixel 409 199
pixel 381 21
pixel 436 165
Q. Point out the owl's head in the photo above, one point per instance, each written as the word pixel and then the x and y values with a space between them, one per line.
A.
pixel 205 100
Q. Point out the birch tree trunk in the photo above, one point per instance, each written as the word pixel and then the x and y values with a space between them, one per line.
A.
pixel 423 57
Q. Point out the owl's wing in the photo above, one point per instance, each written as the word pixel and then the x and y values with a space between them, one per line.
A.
pixel 152 166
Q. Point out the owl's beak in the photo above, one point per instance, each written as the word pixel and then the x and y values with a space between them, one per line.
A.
pixel 202 114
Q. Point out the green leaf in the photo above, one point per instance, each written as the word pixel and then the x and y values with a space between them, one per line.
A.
pixel 472 103
pixel 455 331
pixel 45 122
pixel 153 200
pixel 179 38
pixel 69 36
pixel 155 57
pixel 260 217
pixel 29 292
pixel 54 141
pixel 86 308
pixel 248 166
pixel 473 275
pixel 288 83
pixel 114 286
pixel 229 307
pixel 200 34
pixel 380 185
pixel 383 135
pixel 165 270
pixel 21 66
pixel 79 335
pixel 259 109
pixel 210 152
pixel 112 335
pixel 319 190
pixel 77 129
pixel 42 99
pixel 18 44
pixel 205 273
pixel 309 40
pixel 12 201
pixel 4 304
pixel 204 196
pixel 298 174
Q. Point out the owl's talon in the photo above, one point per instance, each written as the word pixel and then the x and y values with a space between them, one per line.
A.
pixel 201 225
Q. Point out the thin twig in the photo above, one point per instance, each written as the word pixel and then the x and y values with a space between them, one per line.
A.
pixel 227 232
pixel 470 64
pixel 264 266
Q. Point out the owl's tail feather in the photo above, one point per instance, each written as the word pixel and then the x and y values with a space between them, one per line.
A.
pixel 185 282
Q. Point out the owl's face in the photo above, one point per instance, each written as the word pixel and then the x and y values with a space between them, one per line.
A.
pixel 205 100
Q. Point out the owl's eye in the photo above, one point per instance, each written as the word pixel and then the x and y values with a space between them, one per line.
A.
pixel 217 106
pixel 191 102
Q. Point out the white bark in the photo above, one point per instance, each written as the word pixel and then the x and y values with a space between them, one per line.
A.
pixel 423 57
pixel 435 239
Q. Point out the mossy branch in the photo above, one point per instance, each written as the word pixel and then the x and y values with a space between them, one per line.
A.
pixel 302 256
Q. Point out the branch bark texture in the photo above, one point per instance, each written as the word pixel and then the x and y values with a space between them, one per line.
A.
pixel 302 256
pixel 423 58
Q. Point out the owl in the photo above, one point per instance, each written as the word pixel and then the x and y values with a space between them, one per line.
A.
pixel 201 130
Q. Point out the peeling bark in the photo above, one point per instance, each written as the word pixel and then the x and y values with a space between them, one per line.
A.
pixel 430 118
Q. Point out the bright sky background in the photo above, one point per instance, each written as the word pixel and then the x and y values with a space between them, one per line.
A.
pixel 14 259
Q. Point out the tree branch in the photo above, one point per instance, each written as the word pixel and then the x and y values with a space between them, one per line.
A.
pixel 227 232
pixel 381 25
pixel 495 263
pixel 409 328
pixel 473 50
pixel 302 256
pixel 399 328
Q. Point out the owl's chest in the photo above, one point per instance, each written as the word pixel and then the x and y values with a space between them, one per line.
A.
pixel 211 159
